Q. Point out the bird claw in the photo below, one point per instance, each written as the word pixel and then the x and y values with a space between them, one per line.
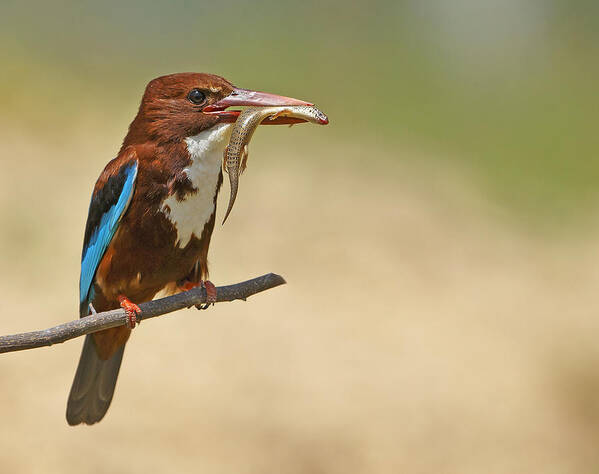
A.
pixel 131 309
pixel 210 294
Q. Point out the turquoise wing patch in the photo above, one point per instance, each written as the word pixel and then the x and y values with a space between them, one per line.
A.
pixel 106 209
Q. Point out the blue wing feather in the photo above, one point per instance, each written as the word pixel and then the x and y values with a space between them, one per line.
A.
pixel 106 210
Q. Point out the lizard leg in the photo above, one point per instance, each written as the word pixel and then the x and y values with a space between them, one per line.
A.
pixel 244 159
pixel 225 169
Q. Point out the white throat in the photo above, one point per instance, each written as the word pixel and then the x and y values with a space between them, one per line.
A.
pixel 191 214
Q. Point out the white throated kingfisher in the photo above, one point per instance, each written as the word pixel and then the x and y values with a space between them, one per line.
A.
pixel 151 216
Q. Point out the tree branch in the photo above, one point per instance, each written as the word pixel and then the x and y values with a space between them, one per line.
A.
pixel 151 309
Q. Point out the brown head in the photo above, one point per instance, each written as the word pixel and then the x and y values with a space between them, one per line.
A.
pixel 181 105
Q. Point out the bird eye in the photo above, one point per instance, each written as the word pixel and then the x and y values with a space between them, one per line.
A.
pixel 196 96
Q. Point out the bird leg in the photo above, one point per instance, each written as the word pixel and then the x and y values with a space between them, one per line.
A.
pixel 207 285
pixel 210 294
pixel 131 309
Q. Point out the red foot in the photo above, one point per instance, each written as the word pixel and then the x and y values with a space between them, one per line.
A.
pixel 210 291
pixel 131 309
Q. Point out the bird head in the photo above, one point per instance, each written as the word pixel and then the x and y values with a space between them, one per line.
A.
pixel 181 105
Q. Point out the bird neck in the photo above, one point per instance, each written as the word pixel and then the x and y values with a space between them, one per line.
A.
pixel 191 211
pixel 208 145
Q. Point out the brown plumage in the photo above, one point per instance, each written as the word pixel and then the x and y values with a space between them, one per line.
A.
pixel 143 233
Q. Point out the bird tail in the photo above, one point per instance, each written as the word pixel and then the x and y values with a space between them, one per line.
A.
pixel 93 386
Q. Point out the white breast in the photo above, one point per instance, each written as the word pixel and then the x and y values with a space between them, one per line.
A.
pixel 190 215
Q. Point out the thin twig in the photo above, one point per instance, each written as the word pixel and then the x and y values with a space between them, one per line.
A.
pixel 151 309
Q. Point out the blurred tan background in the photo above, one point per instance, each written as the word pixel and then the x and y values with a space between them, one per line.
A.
pixel 439 239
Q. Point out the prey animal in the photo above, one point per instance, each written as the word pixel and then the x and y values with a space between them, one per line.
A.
pixel 236 152
pixel 151 216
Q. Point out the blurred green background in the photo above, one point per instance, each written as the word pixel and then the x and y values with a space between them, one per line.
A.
pixel 507 89
pixel 439 238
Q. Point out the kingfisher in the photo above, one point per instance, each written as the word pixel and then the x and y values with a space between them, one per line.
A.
pixel 151 217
